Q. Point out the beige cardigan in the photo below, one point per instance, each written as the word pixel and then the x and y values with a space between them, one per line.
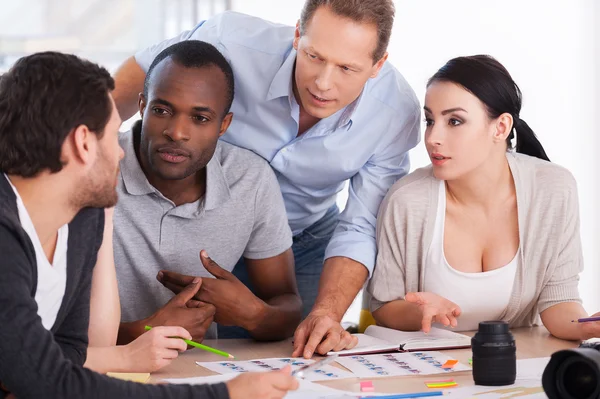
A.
pixel 548 217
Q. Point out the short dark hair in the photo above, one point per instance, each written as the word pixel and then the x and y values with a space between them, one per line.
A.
pixel 195 54
pixel 490 82
pixel 377 12
pixel 43 97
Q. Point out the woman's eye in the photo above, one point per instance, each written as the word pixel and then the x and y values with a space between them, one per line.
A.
pixel 454 122
pixel 428 122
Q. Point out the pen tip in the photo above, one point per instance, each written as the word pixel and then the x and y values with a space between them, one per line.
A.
pixel 231 357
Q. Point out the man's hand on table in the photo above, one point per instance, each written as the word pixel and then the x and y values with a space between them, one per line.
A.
pixel 271 385
pixel 195 317
pixel 321 333
pixel 235 304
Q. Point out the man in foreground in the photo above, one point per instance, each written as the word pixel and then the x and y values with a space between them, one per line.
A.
pixel 59 159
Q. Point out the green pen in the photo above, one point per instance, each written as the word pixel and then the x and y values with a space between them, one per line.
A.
pixel 200 346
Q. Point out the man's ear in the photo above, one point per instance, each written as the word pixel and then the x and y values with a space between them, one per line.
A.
pixel 141 104
pixel 296 36
pixel 503 127
pixel 225 123
pixel 378 65
pixel 81 146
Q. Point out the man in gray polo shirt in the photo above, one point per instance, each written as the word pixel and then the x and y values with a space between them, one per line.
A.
pixel 182 191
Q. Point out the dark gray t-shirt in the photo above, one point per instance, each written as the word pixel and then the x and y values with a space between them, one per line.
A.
pixel 241 214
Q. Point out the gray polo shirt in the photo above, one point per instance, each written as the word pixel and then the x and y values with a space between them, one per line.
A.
pixel 241 214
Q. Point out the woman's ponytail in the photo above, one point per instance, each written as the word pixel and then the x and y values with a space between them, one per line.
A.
pixel 527 142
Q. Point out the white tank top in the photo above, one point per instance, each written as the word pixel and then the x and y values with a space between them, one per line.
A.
pixel 480 296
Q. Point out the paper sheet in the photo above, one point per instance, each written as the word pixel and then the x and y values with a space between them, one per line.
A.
pixel 522 389
pixel 324 373
pixel 531 369
pixel 396 364
pixel 209 379
pixel 306 389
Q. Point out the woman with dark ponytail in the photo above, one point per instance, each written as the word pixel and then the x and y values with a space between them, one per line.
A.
pixel 488 231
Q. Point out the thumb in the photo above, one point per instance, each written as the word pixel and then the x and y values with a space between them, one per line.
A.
pixel 187 293
pixel 212 267
pixel 414 297
pixel 286 370
pixel 283 380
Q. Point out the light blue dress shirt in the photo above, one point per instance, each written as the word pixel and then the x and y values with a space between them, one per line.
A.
pixel 367 142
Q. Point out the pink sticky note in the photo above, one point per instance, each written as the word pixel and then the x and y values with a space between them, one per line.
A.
pixel 439 381
pixel 367 386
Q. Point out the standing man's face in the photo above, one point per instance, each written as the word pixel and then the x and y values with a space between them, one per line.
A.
pixel 334 62
pixel 182 119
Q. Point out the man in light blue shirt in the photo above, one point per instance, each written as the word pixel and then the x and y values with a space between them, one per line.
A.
pixel 323 106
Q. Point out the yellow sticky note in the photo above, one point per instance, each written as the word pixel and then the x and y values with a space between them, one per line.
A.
pixel 442 385
pixel 135 377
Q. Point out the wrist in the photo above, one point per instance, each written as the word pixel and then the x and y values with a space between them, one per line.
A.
pixel 320 310
pixel 230 389
pixel 582 335
pixel 123 354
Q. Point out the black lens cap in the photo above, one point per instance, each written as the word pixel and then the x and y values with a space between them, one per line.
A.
pixel 493 327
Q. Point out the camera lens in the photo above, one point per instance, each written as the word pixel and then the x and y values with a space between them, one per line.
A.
pixel 494 354
pixel 578 378
pixel 573 374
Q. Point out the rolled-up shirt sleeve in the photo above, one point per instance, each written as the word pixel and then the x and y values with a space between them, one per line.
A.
pixel 354 236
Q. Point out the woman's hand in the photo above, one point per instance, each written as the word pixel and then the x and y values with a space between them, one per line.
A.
pixel 271 385
pixel 155 349
pixel 435 309
pixel 590 329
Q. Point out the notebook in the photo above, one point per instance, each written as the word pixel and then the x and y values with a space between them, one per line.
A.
pixel 378 339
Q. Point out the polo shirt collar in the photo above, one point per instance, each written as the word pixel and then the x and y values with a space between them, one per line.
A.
pixel 136 183
pixel 134 179
pixel 217 188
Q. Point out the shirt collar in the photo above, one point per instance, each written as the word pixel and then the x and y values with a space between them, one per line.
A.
pixel 136 183
pixel 217 188
pixel 281 85
pixel 348 112
pixel 134 179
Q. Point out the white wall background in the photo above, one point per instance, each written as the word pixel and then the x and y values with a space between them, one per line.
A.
pixel 551 48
